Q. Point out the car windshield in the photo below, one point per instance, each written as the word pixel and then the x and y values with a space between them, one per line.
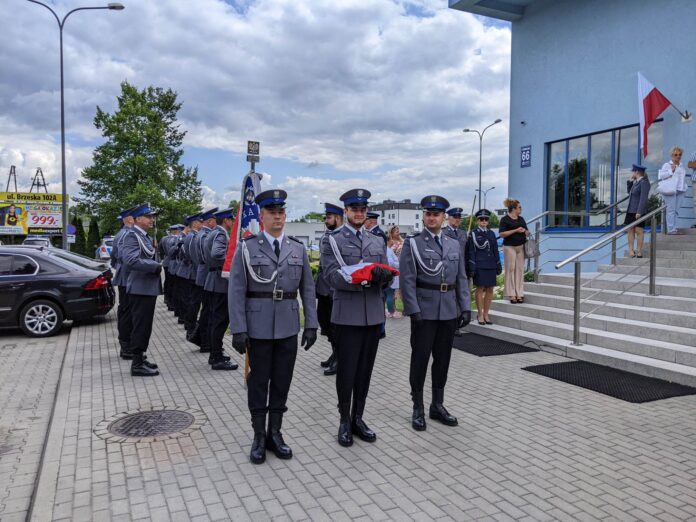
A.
pixel 109 242
pixel 36 242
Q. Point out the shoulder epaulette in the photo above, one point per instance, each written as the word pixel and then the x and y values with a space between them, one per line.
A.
pixel 252 236
pixel 296 240
pixel 415 234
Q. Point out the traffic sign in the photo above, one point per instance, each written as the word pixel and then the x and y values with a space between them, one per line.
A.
pixel 253 159
pixel 253 148
pixel 72 229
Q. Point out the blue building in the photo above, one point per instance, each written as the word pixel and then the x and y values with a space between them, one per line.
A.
pixel 574 105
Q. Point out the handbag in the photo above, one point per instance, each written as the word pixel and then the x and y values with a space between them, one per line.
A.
pixel 668 186
pixel 531 248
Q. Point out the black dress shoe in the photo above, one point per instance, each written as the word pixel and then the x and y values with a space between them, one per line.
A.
pixel 362 430
pixel 223 358
pixel 332 369
pixel 327 362
pixel 224 365
pixel 143 371
pixel 437 410
pixel 257 455
pixel 345 436
pixel 180 320
pixel 149 364
pixel 274 439
pixel 418 417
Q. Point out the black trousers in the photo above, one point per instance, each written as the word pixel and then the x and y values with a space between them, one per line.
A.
pixel 356 350
pixel 204 318
pixel 194 294
pixel 428 337
pixel 123 319
pixel 324 306
pixel 218 322
pixel 143 313
pixel 174 292
pixel 271 362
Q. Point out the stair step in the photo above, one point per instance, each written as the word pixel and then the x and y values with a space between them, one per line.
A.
pixel 686 273
pixel 626 282
pixel 655 349
pixel 669 371
pixel 660 262
pixel 629 310
pixel 655 330
pixel 672 254
pixel 687 304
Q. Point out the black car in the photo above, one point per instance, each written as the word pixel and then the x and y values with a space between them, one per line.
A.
pixel 42 287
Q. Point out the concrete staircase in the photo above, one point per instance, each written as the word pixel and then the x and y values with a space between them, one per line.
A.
pixel 625 328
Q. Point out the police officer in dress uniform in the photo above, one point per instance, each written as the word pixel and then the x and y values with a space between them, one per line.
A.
pixel 483 264
pixel 164 255
pixel 268 272
pixel 209 223
pixel 186 272
pixel 435 292
pixel 454 219
pixel 214 252
pixel 357 312
pixel 193 293
pixel 143 286
pixel 119 280
pixel 372 226
pixel 333 219
pixel 177 256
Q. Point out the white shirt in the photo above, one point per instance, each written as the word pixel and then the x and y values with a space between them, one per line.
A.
pixel 438 236
pixel 666 173
pixel 271 239
pixel 354 231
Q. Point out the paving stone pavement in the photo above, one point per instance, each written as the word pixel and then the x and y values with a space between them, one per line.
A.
pixel 29 371
pixel 526 448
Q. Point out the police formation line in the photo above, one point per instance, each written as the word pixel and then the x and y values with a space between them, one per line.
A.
pixel 259 302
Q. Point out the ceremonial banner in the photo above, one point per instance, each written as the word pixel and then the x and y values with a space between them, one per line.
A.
pixel 246 222
pixel 23 213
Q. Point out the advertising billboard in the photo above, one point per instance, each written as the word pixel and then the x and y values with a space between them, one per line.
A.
pixel 23 213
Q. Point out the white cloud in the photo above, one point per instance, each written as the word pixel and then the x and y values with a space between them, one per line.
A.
pixel 359 85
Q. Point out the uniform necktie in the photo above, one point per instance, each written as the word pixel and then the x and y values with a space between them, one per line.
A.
pixel 437 242
pixel 358 235
pixel 276 247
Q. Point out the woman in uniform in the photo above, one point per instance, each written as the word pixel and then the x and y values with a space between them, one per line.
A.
pixel 483 264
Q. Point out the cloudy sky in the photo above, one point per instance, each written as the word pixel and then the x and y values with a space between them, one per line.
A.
pixel 341 94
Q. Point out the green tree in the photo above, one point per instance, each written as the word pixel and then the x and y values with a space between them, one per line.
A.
pixel 234 205
pixel 140 160
pixel 79 245
pixel 93 236
pixel 311 216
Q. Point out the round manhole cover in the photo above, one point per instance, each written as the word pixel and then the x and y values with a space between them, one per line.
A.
pixel 150 425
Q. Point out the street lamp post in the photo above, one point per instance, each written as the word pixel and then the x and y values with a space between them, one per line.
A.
pixel 113 6
pixel 480 135
pixel 485 194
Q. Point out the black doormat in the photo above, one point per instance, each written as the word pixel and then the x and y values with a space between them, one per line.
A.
pixel 609 381
pixel 483 346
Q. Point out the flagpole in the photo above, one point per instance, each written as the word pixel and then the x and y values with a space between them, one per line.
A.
pixel 686 115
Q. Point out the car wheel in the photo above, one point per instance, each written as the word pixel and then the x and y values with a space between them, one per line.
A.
pixel 40 318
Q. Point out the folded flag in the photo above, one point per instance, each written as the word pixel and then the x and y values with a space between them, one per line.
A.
pixel 361 274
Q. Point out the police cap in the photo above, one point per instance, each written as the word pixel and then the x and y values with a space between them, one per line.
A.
pixel 483 213
pixel 434 203
pixel 143 210
pixel 193 217
pixel 207 214
pixel 330 208
pixel 455 212
pixel 222 214
pixel 356 198
pixel 274 198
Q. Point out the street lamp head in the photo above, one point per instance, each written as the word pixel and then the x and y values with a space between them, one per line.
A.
pixel 115 6
pixel 466 130
pixel 498 120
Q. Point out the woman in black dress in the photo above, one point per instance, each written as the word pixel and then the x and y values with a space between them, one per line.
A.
pixel 482 264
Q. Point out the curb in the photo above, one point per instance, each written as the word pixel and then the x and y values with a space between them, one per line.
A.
pixel 45 485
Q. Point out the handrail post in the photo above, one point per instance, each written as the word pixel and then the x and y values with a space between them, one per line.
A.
pixel 653 254
pixel 537 237
pixel 613 241
pixel 664 221
pixel 576 303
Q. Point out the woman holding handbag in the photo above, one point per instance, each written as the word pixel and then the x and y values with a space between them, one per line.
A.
pixel 672 186
pixel 513 229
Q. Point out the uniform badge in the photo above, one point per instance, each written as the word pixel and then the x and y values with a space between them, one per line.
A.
pixel 360 193
pixel 276 194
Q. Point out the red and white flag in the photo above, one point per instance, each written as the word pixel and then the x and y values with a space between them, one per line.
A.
pixel 651 103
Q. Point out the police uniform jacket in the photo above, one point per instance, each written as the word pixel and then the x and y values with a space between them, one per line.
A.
pixel 202 268
pixel 165 251
pixel 379 233
pixel 138 254
pixel 482 252
pixel 353 304
pixel 264 317
pixel 638 196
pixel 456 233
pixel 447 292
pixel 322 285
pixel 173 247
pixel 120 271
pixel 185 263
pixel 215 251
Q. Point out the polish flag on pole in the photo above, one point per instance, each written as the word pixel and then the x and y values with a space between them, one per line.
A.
pixel 651 103
pixel 247 221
